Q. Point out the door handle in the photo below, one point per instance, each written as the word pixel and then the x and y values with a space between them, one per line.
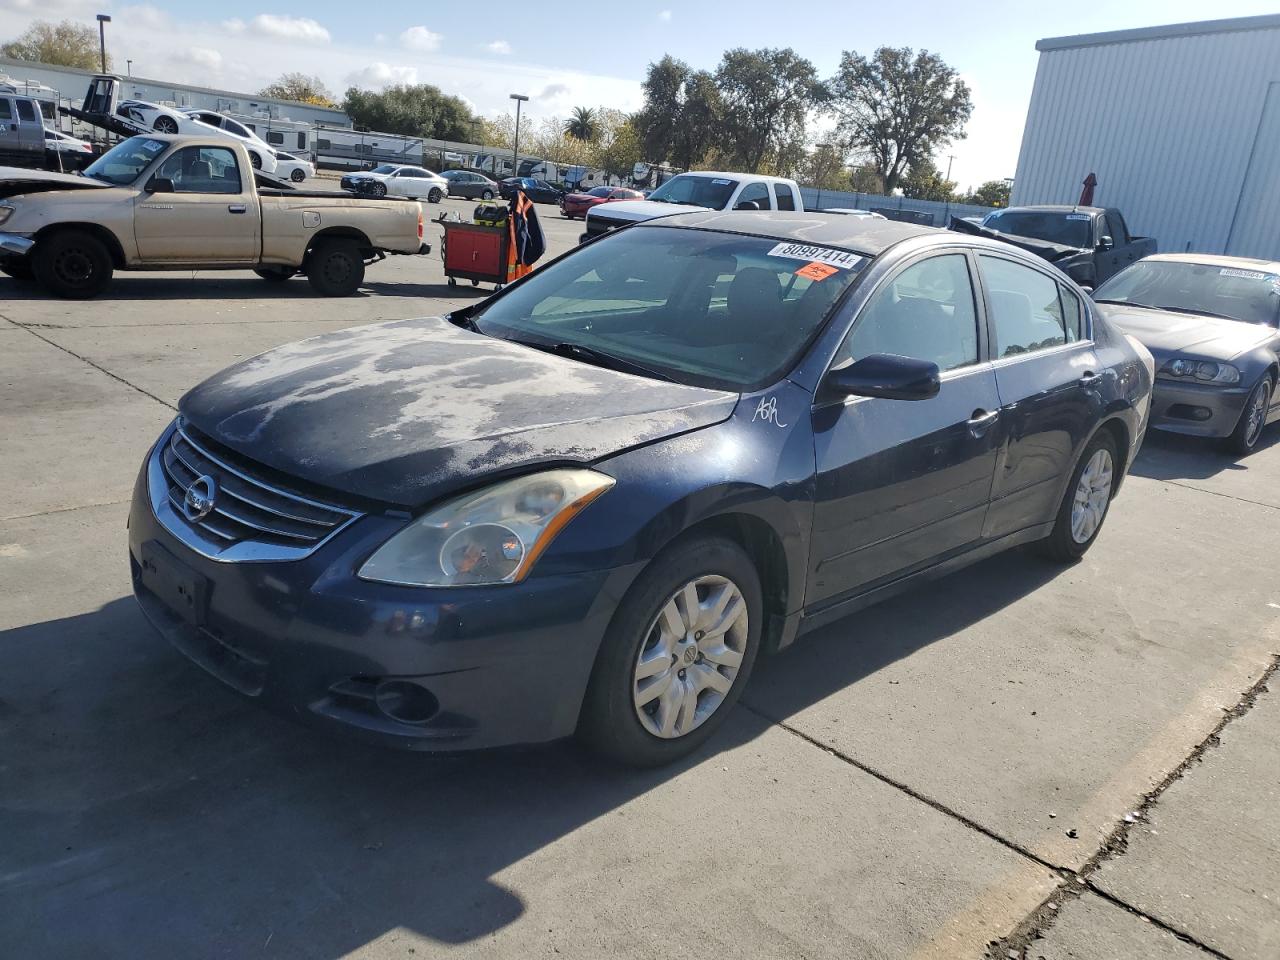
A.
pixel 1090 379
pixel 981 421
pixel 237 208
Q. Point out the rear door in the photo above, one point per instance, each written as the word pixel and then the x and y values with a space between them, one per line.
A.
pixel 212 215
pixel 901 484
pixel 1048 376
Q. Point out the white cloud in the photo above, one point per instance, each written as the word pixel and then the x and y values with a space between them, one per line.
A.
pixel 553 91
pixel 498 46
pixel 665 16
pixel 284 28
pixel 204 57
pixel 382 75
pixel 420 39
pixel 143 15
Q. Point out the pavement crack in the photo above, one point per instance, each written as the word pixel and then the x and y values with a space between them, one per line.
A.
pixel 1216 493
pixel 96 366
pixel 1034 926
pixel 46 513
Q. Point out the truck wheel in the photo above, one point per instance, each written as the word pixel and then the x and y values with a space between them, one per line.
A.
pixel 275 274
pixel 434 196
pixel 72 264
pixel 335 268
pixel 165 125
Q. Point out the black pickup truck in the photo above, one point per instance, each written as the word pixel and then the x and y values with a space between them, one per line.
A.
pixel 1088 244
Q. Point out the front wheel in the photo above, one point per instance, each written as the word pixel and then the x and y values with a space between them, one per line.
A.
pixel 676 656
pixel 1085 504
pixel 487 195
pixel 435 196
pixel 73 264
pixel 335 268
pixel 378 189
pixel 297 176
pixel 1244 438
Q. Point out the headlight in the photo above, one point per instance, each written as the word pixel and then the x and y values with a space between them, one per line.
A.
pixel 491 536
pixel 1204 370
pixel 6 212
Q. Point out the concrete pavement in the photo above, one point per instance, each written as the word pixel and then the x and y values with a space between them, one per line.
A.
pixel 920 780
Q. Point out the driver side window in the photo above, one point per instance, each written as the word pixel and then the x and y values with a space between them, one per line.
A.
pixel 925 312
pixel 202 170
pixel 757 192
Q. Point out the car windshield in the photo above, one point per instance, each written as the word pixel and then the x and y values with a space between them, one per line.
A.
pixel 599 191
pixel 696 191
pixel 1237 293
pixel 385 168
pixel 695 306
pixel 125 161
pixel 1066 229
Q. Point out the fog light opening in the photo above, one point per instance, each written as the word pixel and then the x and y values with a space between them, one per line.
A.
pixel 405 701
pixel 1185 411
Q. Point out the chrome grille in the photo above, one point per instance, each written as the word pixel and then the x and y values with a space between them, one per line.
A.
pixel 247 508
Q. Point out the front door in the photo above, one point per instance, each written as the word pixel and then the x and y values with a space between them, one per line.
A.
pixel 1048 376
pixel 903 483
pixel 210 216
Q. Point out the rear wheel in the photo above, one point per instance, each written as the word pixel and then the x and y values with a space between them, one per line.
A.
pixel 487 195
pixel 1085 504
pixel 335 268
pixel 297 176
pixel 1245 437
pixel 435 196
pixel 72 264
pixel 165 125
pixel 275 274
pixel 677 654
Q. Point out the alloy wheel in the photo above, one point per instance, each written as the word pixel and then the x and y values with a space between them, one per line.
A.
pixel 1257 414
pixel 691 657
pixel 1093 494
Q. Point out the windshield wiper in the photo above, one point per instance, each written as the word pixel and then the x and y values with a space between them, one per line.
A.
pixel 464 321
pixel 597 358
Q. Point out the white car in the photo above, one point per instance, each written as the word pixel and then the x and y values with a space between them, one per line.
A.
pixel 55 141
pixel 289 167
pixel 855 212
pixel 152 116
pixel 397 180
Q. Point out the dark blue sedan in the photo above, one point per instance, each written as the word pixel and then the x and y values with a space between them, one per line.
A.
pixel 588 503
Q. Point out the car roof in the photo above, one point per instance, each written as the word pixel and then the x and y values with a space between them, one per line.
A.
pixel 1052 208
pixel 735 175
pixel 1217 260
pixel 867 235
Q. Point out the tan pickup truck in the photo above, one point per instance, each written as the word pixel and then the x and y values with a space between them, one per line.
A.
pixel 170 202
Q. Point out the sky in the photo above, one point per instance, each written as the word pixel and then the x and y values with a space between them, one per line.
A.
pixel 591 54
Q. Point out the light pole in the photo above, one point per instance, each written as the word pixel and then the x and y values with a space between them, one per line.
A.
pixel 103 20
pixel 519 98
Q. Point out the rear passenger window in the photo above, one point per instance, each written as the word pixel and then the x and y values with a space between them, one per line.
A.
pixel 782 193
pixel 1024 306
pixel 1072 314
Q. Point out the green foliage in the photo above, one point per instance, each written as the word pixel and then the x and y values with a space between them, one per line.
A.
pixel 300 87
pixel 65 44
pixel 865 178
pixel 418 110
pixel 899 106
pixel 924 182
pixel 582 125
pixel 993 193
pixel 766 95
pixel 620 155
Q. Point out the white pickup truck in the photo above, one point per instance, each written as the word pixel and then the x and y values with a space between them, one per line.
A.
pixel 175 202
pixel 699 191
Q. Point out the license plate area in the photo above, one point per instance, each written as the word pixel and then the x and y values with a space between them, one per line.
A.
pixel 177 586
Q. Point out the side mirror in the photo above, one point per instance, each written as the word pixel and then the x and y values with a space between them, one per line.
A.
pixel 1106 243
pixel 159 185
pixel 746 205
pixel 886 376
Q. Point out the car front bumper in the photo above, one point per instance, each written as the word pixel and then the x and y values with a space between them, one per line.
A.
pixel 1197 409
pixel 413 668
pixel 15 244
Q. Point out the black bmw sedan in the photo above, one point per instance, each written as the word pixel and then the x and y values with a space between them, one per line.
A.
pixel 588 503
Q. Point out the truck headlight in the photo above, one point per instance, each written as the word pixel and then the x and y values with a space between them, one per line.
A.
pixel 6 212
pixel 1206 371
pixel 491 536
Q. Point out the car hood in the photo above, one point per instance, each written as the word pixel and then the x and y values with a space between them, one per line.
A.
pixel 15 181
pixel 409 411
pixel 1166 333
pixel 633 211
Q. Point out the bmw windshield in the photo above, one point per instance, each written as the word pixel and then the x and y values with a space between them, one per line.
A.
pixel 125 161
pixel 695 306
pixel 1236 293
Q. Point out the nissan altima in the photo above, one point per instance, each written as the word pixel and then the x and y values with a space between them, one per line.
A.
pixel 588 503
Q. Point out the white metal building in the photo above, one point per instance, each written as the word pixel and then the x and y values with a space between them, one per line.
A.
pixel 1180 123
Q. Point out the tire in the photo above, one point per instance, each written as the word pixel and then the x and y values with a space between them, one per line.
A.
pixel 72 264
pixel 255 161
pixel 1253 419
pixel 275 274
pixel 335 268
pixel 1073 534
pixel 487 195
pixel 297 176
pixel 435 196
pixel 165 125
pixel 17 267
pixel 610 721
pixel 378 189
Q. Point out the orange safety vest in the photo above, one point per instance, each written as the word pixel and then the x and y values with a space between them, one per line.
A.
pixel 521 207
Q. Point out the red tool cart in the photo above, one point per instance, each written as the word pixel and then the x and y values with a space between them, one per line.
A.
pixel 475 252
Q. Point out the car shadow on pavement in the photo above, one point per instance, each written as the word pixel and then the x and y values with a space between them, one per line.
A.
pixel 1170 456
pixel 147 809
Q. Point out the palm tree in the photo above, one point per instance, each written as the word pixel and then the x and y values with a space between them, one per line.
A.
pixel 582 125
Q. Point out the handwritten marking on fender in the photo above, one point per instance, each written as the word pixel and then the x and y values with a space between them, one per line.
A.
pixel 767 410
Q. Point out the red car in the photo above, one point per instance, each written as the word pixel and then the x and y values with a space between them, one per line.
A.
pixel 577 204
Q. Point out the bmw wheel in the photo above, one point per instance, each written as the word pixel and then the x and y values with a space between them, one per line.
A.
pixel 165 125
pixel 1085 504
pixel 677 655
pixel 1244 438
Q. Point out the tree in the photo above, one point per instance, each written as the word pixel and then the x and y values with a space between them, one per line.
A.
pixel 65 44
pixel 865 178
pixel 699 127
pixel 622 153
pixel 766 94
pixel 658 122
pixel 582 125
pixel 924 182
pixel 824 168
pixel 417 110
pixel 993 193
pixel 899 106
pixel 299 87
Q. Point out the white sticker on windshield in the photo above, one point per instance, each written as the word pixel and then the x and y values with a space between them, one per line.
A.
pixel 1077 216
pixel 151 146
pixel 722 183
pixel 1246 274
pixel 842 259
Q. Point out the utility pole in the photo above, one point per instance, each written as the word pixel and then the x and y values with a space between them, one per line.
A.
pixel 519 98
pixel 103 20
pixel 129 66
pixel 949 159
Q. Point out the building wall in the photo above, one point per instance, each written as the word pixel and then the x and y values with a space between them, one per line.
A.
pixel 1169 119
pixel 72 83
